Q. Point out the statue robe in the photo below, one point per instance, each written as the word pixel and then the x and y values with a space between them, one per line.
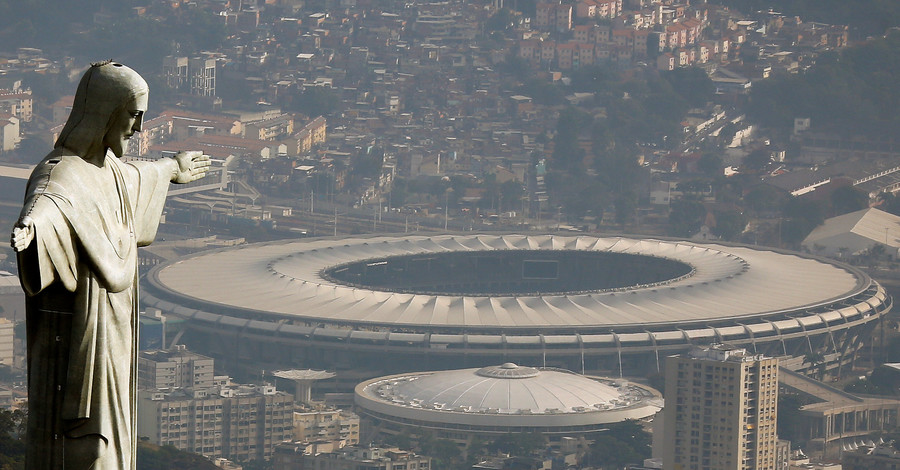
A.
pixel 80 276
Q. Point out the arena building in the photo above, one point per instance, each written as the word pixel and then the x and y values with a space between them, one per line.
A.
pixel 584 303
pixel 495 400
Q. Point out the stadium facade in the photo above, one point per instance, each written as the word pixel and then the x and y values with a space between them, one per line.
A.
pixel 585 303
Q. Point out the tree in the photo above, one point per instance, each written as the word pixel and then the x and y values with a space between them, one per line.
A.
pixel 317 101
pixel 152 457
pixel 693 187
pixel 847 93
pixel 730 224
pixel 757 159
pixel 621 444
pixel 625 204
pixel 519 444
pixel 692 83
pixel 542 92
pixel 503 20
pixel 578 194
pixel 567 155
pixel 802 215
pixel 816 361
pixel 848 199
pixel 889 203
pixel 446 453
pixel 710 164
pixel 686 216
pixel 12 444
pixel 258 464
pixel 765 198
pixel 398 195
pixel 727 133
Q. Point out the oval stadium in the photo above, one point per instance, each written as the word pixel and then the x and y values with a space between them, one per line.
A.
pixel 611 305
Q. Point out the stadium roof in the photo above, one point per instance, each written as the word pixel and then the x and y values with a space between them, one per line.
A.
pixel 497 396
pixel 284 279
pixel 532 391
pixel 856 231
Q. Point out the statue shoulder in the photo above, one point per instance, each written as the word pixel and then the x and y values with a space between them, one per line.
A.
pixel 58 170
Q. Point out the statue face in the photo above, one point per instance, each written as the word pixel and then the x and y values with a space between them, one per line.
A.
pixel 126 121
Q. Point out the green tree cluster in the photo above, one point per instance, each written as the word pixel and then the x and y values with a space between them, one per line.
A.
pixel 445 453
pixel 889 203
pixel 865 17
pixel 139 41
pixel 622 444
pixel 152 457
pixel 12 441
pixel 882 381
pixel 316 101
pixel 686 216
pixel 519 444
pixel 850 92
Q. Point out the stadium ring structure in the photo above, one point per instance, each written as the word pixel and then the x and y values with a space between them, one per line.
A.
pixel 585 303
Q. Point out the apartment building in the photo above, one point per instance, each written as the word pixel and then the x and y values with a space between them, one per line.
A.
pixel 721 409
pixel 195 75
pixel 232 421
pixel 7 338
pixel 182 404
pixel 555 16
pixel 332 425
pixel 174 368
pixel 17 102
pixel 292 456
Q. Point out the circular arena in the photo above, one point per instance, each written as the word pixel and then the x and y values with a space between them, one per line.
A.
pixel 584 303
pixel 501 399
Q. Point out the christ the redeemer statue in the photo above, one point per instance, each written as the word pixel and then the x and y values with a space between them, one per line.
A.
pixel 85 214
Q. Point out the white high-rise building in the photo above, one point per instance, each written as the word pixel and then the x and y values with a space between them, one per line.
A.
pixel 721 410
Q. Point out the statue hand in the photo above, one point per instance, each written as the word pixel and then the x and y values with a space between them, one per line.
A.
pixel 22 234
pixel 192 165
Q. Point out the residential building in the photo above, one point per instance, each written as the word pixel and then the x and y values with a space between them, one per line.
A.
pixel 153 132
pixel 202 74
pixel 292 456
pixel 9 132
pixel 311 134
pixel 312 425
pixel 270 129
pixel 195 75
pixel 18 103
pixel 182 404
pixel 187 124
pixel 174 368
pixel 7 337
pixel 237 422
pixel 554 16
pixel 721 409
pixel 175 71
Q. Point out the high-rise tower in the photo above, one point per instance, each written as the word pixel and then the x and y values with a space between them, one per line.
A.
pixel 721 410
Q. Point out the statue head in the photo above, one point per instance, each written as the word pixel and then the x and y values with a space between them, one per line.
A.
pixel 109 105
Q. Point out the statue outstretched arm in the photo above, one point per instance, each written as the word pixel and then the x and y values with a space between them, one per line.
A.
pixel 190 166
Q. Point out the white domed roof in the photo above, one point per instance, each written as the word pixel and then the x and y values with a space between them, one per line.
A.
pixel 506 395
pixel 508 389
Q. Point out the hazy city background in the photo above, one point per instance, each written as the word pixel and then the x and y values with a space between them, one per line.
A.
pixel 754 130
